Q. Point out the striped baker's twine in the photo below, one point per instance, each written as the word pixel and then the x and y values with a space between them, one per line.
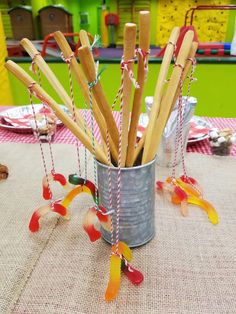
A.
pixel 109 171
pixel 85 149
pixel 32 68
pixel 32 92
pixel 68 62
pixel 144 56
pixel 125 66
pixel 178 126
pixel 45 106
pixel 175 48
pixel 182 113
pixel 93 144
pixel 119 163
pixel 191 79
pixel 90 86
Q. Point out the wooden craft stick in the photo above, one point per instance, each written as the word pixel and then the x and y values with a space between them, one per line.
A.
pixel 27 80
pixel 158 94
pixel 83 37
pixel 81 80
pixel 170 47
pixel 84 40
pixel 38 59
pixel 167 100
pixel 129 52
pixel 144 42
pixel 87 62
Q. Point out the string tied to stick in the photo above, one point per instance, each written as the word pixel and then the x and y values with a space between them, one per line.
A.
pixel 33 92
pixel 67 59
pixel 125 66
pixel 179 65
pixel 32 66
pixel 90 86
pixel 194 64
pixel 144 55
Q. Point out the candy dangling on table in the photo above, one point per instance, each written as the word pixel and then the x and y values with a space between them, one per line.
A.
pixel 121 253
pixel 185 190
pixel 53 206
pixel 183 193
pixel 53 176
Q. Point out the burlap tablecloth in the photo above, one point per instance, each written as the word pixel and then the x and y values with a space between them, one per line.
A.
pixel 190 266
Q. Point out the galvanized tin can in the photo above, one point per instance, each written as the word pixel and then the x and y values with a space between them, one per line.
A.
pixel 137 193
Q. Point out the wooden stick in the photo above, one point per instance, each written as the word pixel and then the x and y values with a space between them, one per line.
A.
pixel 81 80
pixel 170 47
pixel 83 36
pixel 35 55
pixel 68 122
pixel 129 52
pixel 158 94
pixel 84 39
pixel 86 60
pixel 167 100
pixel 144 42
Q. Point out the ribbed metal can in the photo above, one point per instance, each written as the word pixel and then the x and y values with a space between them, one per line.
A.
pixel 137 195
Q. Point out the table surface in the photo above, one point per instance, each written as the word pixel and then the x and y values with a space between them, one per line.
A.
pixel 63 135
pixel 188 268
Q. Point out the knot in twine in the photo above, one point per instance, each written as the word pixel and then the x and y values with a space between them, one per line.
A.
pixel 32 68
pixel 124 65
pixel 144 54
pixel 68 59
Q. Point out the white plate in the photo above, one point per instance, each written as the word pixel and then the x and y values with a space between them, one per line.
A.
pixel 200 122
pixel 19 113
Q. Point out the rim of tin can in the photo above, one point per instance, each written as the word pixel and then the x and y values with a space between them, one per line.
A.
pixel 126 168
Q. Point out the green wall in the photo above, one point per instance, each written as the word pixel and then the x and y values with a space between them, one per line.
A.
pixel 214 89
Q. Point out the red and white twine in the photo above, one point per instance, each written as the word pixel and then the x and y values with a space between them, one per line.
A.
pixel 32 92
pixel 144 56
pixel 68 62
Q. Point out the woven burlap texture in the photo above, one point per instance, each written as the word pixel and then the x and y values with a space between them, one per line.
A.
pixel 190 266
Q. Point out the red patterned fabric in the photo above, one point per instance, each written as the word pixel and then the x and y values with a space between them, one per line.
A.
pixel 63 135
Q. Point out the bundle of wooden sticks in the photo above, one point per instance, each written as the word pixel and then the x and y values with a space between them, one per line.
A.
pixel 165 95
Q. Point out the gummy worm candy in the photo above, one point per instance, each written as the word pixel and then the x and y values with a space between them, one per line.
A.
pixel 184 194
pixel 179 196
pixel 118 261
pixel 114 279
pixel 42 211
pixel 53 177
pixel 88 223
pixel 208 208
pixel 191 181
pixel 185 186
pixel 73 193
pixel 124 250
pixel 134 275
